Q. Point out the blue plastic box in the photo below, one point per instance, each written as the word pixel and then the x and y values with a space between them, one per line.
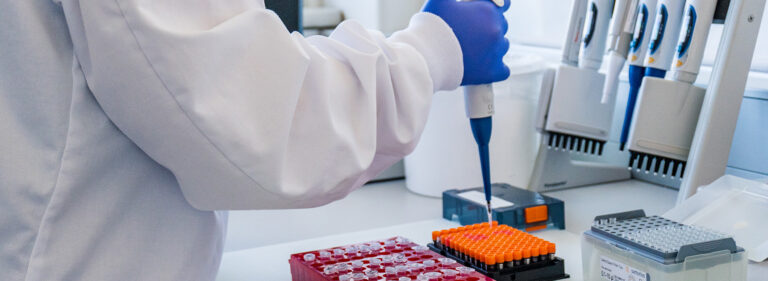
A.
pixel 519 208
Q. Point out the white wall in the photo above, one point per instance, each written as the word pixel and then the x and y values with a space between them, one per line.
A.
pixel 385 15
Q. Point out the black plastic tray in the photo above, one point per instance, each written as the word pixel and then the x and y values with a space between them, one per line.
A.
pixel 541 271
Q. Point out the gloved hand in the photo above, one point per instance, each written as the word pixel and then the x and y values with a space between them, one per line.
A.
pixel 480 27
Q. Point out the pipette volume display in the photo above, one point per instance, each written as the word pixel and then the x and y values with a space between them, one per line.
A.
pixel 389 259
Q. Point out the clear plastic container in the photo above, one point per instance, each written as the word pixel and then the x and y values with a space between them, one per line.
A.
pixel 606 258
pixel 731 205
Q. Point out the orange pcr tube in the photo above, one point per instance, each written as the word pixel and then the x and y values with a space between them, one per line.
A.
pixel 490 261
pixel 500 260
pixel 526 256
pixel 551 250
pixel 543 251
pixel 535 254
pixel 509 258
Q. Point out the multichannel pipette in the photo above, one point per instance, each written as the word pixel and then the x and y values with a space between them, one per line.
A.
pixel 693 40
pixel 619 38
pixel 478 100
pixel 689 53
pixel 646 16
pixel 567 128
pixel 660 52
pixel 665 31
pixel 573 37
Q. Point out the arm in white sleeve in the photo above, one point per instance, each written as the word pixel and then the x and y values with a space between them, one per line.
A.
pixel 249 116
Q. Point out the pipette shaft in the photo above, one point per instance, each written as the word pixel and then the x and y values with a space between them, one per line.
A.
pixel 622 27
pixel 619 38
pixel 479 106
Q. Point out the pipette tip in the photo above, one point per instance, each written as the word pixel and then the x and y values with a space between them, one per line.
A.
pixel 490 215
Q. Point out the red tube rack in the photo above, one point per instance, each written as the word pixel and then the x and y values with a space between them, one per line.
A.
pixel 393 259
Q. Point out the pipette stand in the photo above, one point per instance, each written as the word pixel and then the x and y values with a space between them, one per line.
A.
pixel 570 104
pixel 557 169
pixel 691 125
pixel 712 141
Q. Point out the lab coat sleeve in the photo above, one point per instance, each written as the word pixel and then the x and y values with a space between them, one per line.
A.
pixel 249 116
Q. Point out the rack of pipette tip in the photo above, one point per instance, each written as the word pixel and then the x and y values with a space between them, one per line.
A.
pixel 396 259
pixel 630 245
pixel 500 251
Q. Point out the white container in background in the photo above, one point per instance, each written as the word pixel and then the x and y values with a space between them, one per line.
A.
pixel 446 156
pixel 387 16
pixel 541 23
pixel 312 3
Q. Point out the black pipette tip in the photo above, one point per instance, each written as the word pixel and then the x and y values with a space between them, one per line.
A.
pixel 621 146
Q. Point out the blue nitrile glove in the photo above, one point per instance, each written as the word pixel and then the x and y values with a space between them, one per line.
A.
pixel 480 27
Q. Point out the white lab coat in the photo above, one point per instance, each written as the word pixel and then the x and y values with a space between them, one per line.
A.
pixel 125 123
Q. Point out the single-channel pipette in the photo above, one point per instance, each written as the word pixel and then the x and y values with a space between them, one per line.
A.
pixel 619 39
pixel 478 100
pixel 479 105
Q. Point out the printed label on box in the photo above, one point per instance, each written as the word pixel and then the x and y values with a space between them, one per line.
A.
pixel 612 270
pixel 479 198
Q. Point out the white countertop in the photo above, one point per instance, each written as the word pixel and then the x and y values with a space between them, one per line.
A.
pixel 387 209
pixel 372 206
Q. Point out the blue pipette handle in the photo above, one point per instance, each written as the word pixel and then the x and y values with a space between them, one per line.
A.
pixel 636 75
pixel 481 130
pixel 655 72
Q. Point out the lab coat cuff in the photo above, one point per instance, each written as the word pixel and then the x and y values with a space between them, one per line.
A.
pixel 435 40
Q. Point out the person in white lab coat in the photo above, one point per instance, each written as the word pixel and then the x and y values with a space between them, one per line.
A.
pixel 127 125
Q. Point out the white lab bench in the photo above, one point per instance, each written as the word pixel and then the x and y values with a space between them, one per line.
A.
pixel 387 209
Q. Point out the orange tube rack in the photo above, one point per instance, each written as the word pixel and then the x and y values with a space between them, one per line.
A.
pixel 499 250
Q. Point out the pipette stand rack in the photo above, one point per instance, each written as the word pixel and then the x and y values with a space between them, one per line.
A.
pixel 574 125
pixel 711 143
pixel 698 123
pixel 708 157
